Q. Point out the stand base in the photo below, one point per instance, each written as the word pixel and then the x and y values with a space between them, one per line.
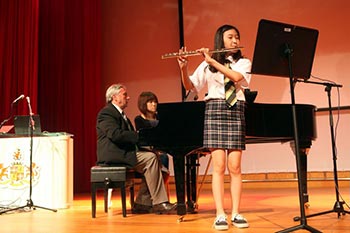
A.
pixel 29 205
pixel 299 227
pixel 338 208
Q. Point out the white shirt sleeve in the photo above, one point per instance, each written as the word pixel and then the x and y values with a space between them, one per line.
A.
pixel 202 76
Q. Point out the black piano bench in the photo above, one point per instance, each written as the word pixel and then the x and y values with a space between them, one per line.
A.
pixel 110 178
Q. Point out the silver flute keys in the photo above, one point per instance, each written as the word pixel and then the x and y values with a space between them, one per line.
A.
pixel 195 52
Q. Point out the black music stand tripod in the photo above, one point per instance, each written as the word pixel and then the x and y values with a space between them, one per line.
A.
pixel 30 203
pixel 303 223
pixel 275 46
pixel 338 206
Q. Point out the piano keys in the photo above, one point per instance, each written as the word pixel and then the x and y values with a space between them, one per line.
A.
pixel 180 132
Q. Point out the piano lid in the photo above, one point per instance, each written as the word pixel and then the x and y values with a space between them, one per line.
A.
pixel 180 124
pixel 275 120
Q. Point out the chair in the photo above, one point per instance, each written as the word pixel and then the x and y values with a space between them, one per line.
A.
pixel 111 178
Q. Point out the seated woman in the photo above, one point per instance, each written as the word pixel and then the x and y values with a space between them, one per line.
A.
pixel 147 104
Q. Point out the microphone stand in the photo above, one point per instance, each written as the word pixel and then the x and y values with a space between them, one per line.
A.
pixel 303 222
pixel 30 203
pixel 338 206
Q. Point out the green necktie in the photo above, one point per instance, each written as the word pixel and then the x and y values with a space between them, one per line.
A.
pixel 230 90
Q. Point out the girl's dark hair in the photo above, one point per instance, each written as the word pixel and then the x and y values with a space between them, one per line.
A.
pixel 219 44
pixel 145 97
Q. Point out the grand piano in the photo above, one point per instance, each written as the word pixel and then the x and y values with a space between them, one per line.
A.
pixel 180 133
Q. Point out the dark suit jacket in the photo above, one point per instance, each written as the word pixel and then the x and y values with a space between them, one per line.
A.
pixel 116 143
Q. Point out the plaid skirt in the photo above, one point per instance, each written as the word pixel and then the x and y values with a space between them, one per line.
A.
pixel 224 127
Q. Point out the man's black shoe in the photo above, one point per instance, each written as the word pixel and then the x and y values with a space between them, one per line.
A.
pixel 141 209
pixel 164 208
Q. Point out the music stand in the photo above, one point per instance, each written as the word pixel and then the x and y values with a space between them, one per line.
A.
pixel 287 50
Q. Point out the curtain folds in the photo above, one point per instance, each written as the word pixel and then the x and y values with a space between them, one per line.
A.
pixel 18 55
pixel 50 51
pixel 69 77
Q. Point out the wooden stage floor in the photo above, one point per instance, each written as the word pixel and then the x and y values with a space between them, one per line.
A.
pixel 269 207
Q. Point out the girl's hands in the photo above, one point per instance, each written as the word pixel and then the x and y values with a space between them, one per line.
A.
pixel 182 60
pixel 206 55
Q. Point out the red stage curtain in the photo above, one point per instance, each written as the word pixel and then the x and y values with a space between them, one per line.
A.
pixel 56 62
pixel 69 77
pixel 18 55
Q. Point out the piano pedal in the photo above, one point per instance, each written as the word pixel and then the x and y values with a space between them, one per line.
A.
pixel 306 200
pixel 306 205
pixel 192 208
pixel 180 219
pixel 195 206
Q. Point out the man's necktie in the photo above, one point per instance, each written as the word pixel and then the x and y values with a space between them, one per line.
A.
pixel 230 90
pixel 126 119
pixel 129 127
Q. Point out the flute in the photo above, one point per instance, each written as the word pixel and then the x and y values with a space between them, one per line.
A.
pixel 195 53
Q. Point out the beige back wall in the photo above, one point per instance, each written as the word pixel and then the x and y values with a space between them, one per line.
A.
pixel 332 53
pixel 136 34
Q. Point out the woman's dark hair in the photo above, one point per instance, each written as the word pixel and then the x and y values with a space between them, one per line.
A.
pixel 219 44
pixel 145 97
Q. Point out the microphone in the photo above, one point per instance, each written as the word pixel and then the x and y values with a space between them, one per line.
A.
pixel 32 123
pixel 29 106
pixel 18 98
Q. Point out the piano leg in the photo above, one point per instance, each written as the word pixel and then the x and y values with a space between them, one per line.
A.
pixel 304 148
pixel 179 174
pixel 194 166
pixel 191 182
pixel 303 158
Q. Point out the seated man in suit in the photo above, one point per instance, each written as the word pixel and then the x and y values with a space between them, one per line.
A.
pixel 117 145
